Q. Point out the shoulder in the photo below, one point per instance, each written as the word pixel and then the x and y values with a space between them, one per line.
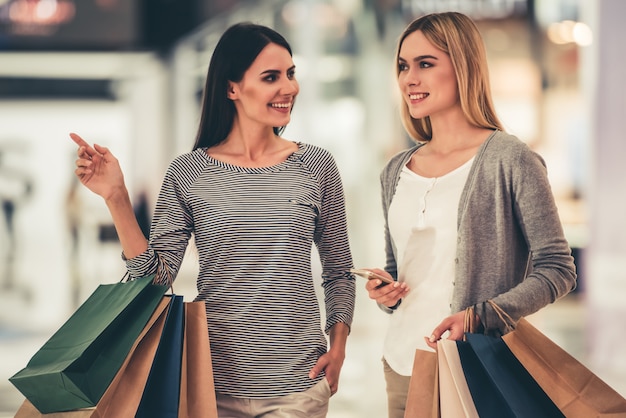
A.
pixel 316 158
pixel 505 143
pixel 506 148
pixel 187 165
pixel 312 152
pixel 190 159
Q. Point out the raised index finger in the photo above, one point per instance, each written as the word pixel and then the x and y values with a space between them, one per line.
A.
pixel 82 143
pixel 78 140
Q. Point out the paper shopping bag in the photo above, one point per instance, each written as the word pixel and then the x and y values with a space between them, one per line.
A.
pixel 27 410
pixel 122 397
pixel 488 400
pixel 197 390
pixel 146 343
pixel 520 391
pixel 76 365
pixel 423 396
pixel 197 393
pixel 162 390
pixel 454 396
pixel 577 391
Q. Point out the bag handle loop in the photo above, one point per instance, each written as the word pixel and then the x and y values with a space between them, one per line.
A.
pixel 504 317
pixel 472 323
pixel 161 262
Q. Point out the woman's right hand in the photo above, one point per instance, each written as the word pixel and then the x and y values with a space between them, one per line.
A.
pixel 387 295
pixel 98 169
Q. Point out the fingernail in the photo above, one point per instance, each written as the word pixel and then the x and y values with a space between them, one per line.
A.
pixel 432 339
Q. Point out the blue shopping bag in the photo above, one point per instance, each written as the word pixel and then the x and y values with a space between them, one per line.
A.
pixel 161 394
pixel 500 386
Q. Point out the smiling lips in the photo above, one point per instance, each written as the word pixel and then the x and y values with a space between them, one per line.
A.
pixel 417 96
pixel 281 105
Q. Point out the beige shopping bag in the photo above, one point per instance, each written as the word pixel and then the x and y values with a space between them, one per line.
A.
pixel 197 391
pixel 423 397
pixel 455 399
pixel 573 388
pixel 123 395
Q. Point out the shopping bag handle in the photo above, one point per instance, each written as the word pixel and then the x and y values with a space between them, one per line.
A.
pixel 161 262
pixel 472 323
pixel 504 317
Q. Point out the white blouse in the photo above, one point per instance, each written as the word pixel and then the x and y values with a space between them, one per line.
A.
pixel 423 227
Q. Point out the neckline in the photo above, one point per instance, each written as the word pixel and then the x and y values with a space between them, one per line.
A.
pixel 480 150
pixel 462 167
pixel 286 163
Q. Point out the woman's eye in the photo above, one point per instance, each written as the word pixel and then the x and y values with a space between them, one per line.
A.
pixel 291 75
pixel 271 77
pixel 425 64
pixel 402 67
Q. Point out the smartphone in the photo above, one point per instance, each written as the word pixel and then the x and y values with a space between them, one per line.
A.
pixel 370 275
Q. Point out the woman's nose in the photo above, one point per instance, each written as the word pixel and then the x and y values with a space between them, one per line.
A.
pixel 291 87
pixel 412 78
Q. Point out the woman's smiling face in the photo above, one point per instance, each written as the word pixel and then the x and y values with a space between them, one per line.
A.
pixel 267 91
pixel 426 78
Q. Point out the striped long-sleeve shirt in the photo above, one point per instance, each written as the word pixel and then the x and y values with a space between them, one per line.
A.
pixel 254 229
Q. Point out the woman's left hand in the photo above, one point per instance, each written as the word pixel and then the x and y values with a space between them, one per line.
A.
pixel 331 364
pixel 455 324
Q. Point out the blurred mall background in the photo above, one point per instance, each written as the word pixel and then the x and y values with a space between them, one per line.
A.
pixel 128 74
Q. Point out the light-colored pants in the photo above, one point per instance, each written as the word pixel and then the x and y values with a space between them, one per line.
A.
pixel 397 390
pixel 312 403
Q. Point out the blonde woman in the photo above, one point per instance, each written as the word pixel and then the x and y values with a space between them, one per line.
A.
pixel 469 212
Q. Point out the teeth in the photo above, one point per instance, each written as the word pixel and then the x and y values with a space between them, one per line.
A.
pixel 281 105
pixel 418 96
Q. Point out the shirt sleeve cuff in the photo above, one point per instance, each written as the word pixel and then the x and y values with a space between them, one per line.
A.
pixel 390 309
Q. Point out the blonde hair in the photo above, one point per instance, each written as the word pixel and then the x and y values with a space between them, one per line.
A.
pixel 457 35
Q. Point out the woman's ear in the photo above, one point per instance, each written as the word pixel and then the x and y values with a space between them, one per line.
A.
pixel 231 93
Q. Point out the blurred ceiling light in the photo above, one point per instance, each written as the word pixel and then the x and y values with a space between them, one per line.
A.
pixel 583 35
pixel 565 31
pixel 37 14
pixel 568 31
pixel 46 9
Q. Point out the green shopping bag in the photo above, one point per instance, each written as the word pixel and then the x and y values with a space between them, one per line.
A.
pixel 76 365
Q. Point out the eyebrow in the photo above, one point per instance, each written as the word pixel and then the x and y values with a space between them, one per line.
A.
pixel 267 72
pixel 419 58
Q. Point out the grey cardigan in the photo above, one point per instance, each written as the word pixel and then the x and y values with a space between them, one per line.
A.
pixel 510 245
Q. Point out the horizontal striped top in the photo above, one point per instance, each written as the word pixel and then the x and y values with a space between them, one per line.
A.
pixel 254 229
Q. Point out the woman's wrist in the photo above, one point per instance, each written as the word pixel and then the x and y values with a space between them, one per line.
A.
pixel 118 196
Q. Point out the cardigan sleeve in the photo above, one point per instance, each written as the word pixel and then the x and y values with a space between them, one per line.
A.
pixel 512 248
